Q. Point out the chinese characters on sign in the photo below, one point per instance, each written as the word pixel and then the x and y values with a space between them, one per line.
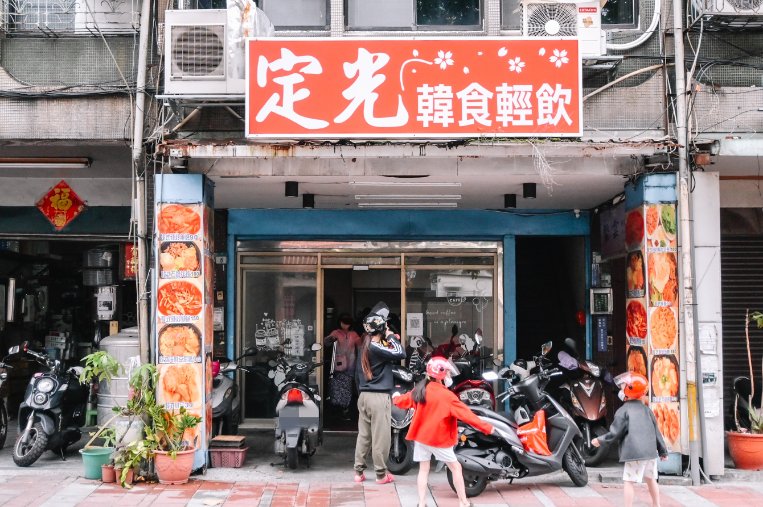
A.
pixel 61 205
pixel 413 88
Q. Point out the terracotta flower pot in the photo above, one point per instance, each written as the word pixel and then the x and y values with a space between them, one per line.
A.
pixel 174 471
pixel 128 479
pixel 746 450
pixel 108 474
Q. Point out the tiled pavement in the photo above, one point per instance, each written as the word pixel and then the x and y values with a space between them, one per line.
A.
pixel 35 490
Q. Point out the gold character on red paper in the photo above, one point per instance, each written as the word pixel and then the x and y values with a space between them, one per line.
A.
pixel 60 200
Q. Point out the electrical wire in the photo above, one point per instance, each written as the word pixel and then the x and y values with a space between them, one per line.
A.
pixel 623 78
pixel 644 36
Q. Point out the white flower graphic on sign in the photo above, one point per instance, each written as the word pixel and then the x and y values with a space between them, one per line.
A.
pixel 444 59
pixel 559 58
pixel 516 65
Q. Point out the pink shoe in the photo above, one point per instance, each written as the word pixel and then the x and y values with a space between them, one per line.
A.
pixel 359 477
pixel 386 479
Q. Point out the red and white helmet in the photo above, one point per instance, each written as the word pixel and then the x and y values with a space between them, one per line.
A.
pixel 438 368
pixel 634 385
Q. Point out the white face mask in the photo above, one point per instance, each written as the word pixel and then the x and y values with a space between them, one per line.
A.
pixel 448 382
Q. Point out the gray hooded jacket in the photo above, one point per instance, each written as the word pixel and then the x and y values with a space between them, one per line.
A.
pixel 635 428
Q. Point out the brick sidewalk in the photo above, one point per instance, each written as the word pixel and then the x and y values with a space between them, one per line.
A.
pixel 22 490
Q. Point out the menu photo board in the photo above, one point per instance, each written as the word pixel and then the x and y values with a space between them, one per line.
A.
pixel 652 311
pixel 183 307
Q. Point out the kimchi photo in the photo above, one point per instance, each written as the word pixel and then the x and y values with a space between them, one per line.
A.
pixel 179 298
pixel 179 219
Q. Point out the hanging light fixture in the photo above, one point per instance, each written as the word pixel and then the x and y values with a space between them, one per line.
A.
pixel 308 201
pixel 292 189
pixel 528 190
pixel 509 200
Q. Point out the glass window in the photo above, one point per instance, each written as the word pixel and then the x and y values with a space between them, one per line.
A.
pixel 37 15
pixel 278 310
pixel 477 260
pixel 619 14
pixel 511 15
pixel 414 14
pixel 440 300
pixel 294 14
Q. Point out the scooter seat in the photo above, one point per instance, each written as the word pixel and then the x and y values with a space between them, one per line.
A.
pixel 503 417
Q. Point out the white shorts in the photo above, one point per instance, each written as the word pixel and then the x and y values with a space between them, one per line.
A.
pixel 422 452
pixel 636 471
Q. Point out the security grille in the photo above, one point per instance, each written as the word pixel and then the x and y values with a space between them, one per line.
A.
pixel 198 52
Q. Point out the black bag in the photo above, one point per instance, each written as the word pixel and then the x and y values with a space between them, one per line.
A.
pixel 340 389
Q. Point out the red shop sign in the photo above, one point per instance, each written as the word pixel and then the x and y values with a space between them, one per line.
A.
pixel 409 88
pixel 61 205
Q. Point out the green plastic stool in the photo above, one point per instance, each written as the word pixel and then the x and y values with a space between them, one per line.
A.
pixel 91 417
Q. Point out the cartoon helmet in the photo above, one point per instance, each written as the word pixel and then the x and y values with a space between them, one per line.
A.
pixel 634 385
pixel 376 320
pixel 438 368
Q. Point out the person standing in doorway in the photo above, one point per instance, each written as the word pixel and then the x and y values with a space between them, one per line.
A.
pixel 380 350
pixel 346 343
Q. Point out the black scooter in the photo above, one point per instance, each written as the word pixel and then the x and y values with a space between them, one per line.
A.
pixel 53 410
pixel 400 459
pixel 3 408
pixel 298 424
pixel 501 455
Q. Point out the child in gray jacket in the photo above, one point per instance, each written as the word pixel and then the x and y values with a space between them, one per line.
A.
pixel 635 428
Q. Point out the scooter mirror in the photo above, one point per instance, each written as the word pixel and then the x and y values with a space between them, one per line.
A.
pixel 498 361
pixel 546 348
pixel 272 364
pixel 251 351
pixel 462 339
pixel 14 350
pixel 490 376
pixel 478 336
pixel 271 374
pixel 315 347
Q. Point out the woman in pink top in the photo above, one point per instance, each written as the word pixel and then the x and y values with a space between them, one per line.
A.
pixel 347 343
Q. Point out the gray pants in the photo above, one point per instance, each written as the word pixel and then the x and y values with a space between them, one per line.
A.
pixel 374 427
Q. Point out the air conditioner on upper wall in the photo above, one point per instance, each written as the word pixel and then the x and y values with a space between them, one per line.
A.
pixel 726 14
pixel 196 54
pixel 551 19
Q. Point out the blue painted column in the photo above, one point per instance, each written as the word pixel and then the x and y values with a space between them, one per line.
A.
pixel 509 298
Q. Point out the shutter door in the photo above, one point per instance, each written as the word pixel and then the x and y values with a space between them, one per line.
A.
pixel 742 288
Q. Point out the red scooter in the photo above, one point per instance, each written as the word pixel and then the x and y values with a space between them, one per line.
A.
pixel 469 385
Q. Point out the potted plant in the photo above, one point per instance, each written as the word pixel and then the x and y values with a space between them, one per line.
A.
pixel 127 459
pixel 99 366
pixel 172 452
pixel 746 446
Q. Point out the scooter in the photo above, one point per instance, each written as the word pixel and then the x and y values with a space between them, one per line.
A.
pixel 226 399
pixel 583 396
pixel 3 408
pixel 53 410
pixel 400 459
pixel 298 423
pixel 502 455
pixel 469 385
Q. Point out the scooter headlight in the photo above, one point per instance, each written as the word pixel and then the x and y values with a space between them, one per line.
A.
pixel 45 385
pixel 576 404
pixel 228 393
pixel 40 398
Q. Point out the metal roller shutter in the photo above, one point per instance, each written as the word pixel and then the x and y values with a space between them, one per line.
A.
pixel 742 288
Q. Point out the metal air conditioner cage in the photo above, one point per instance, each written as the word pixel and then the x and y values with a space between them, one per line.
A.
pixel 727 15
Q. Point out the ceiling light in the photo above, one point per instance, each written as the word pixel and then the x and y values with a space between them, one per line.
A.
pixel 404 184
pixel 404 197
pixel 509 200
pixel 308 201
pixel 528 190
pixel 291 189
pixel 408 205
pixel 45 162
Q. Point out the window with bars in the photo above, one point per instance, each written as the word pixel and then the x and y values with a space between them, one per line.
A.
pixel 414 15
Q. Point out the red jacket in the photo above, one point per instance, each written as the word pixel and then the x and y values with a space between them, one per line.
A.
pixel 435 423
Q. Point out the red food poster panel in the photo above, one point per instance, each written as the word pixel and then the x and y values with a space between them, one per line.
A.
pixel 423 87
pixel 60 205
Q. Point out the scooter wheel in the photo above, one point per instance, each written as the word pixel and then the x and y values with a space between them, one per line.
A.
pixel 473 484
pixel 401 464
pixel 292 458
pixel 574 465
pixel 3 423
pixel 26 454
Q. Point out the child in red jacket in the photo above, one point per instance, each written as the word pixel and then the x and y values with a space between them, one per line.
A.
pixel 435 424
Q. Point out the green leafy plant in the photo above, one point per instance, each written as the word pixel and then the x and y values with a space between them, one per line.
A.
pixel 101 366
pixel 168 432
pixel 129 457
pixel 755 413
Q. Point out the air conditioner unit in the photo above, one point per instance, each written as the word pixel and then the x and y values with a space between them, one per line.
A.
pixel 552 19
pixel 196 54
pixel 727 14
